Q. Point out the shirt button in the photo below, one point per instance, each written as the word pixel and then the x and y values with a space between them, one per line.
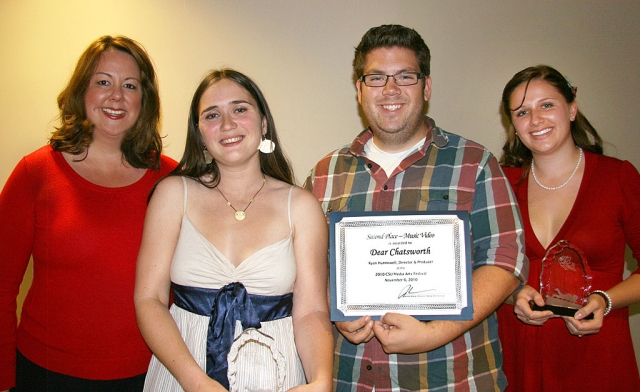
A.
pixel 386 187
pixel 446 197
pixel 369 165
pixel 369 367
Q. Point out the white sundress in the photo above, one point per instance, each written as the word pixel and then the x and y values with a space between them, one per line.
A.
pixel 270 271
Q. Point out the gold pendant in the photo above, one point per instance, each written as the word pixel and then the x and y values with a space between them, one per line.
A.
pixel 239 215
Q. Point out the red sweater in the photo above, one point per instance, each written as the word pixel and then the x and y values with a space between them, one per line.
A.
pixel 604 219
pixel 78 318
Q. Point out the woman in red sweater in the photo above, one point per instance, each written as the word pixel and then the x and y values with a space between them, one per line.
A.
pixel 569 191
pixel 77 207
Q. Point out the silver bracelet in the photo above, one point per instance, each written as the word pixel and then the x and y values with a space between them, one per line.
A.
pixel 607 299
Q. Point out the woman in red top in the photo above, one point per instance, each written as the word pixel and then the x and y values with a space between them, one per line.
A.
pixel 77 207
pixel 568 190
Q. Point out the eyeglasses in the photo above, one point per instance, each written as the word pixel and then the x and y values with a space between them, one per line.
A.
pixel 401 79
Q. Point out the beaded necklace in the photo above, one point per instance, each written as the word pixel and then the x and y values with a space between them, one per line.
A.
pixel 240 214
pixel 533 171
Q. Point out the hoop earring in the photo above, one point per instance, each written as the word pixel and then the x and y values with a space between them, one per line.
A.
pixel 266 145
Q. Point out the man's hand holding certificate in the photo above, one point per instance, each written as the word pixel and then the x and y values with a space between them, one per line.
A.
pixel 414 263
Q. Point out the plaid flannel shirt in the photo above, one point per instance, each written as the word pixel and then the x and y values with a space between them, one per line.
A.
pixel 447 173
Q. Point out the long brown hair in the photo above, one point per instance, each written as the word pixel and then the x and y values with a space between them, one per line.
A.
pixel 514 152
pixel 193 163
pixel 142 144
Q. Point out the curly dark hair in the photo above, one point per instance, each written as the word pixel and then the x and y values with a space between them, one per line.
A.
pixel 514 152
pixel 388 36
pixel 142 144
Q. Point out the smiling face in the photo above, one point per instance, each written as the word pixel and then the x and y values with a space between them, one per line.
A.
pixel 542 118
pixel 113 98
pixel 394 112
pixel 230 123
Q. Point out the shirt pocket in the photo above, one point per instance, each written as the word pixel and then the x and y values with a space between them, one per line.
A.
pixel 446 200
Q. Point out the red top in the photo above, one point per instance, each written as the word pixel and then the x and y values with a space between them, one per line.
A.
pixel 603 220
pixel 78 317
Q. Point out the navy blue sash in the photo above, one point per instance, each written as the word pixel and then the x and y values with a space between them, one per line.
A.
pixel 224 307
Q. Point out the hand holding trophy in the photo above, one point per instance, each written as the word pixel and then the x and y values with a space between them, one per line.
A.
pixel 565 280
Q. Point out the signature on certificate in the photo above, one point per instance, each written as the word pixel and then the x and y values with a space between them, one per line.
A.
pixel 408 292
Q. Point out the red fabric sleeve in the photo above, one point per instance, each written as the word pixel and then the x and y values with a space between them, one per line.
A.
pixel 17 226
pixel 630 183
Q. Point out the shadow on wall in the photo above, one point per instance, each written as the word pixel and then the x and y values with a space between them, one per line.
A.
pixel 634 310
pixel 24 287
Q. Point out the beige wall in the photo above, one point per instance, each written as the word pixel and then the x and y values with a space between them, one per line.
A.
pixel 300 53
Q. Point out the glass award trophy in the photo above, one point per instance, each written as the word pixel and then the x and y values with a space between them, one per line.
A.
pixel 565 280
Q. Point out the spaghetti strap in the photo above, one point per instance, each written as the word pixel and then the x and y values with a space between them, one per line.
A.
pixel 184 207
pixel 289 207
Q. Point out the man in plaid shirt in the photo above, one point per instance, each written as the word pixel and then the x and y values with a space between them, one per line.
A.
pixel 404 162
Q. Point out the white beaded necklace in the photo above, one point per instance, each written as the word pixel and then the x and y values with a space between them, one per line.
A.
pixel 533 171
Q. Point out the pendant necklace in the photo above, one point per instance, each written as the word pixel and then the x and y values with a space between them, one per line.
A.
pixel 240 215
pixel 533 171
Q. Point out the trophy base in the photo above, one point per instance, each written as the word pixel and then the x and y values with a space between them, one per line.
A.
pixel 558 310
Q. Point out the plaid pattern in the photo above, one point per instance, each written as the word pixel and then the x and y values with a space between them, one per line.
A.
pixel 447 173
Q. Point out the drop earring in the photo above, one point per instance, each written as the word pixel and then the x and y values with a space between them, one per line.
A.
pixel 207 155
pixel 266 145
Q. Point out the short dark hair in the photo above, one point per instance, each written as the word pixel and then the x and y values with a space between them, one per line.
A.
pixel 388 36
pixel 193 163
pixel 142 144
pixel 514 152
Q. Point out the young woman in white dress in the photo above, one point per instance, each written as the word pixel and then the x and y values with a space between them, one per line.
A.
pixel 244 252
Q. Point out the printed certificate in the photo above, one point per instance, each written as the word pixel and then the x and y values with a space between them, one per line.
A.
pixel 416 263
